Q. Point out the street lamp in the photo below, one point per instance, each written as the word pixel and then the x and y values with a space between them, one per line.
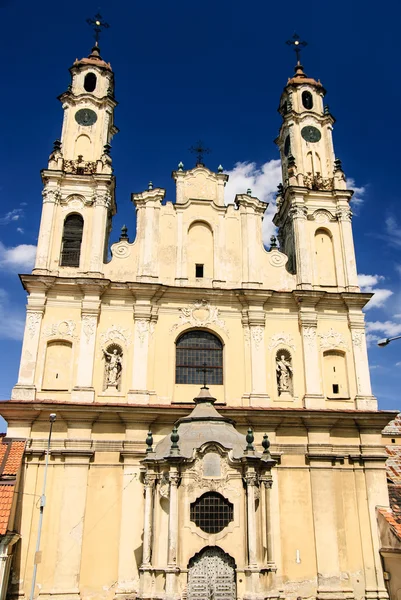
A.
pixel 386 341
pixel 52 418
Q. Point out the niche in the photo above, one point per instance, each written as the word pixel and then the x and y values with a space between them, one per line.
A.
pixel 284 374
pixel 113 357
pixel 325 262
pixel 200 251
pixel 57 372
pixel 335 374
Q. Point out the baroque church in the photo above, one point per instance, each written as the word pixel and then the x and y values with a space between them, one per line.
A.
pixel 216 436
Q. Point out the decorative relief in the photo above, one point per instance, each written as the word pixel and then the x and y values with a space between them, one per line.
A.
pixel 52 196
pixel 74 202
pixel 298 212
pixel 309 334
pixel 89 323
pixel 143 327
pixel 79 166
pixel 61 329
pixel 114 333
pixel 332 339
pixel 200 314
pixel 317 182
pixel 344 214
pixel 33 322
pixel 103 200
pixel 247 335
pixel 200 480
pixel 257 335
pixel 277 258
pixel 281 338
pixel 322 216
pixel 121 250
pixel 357 337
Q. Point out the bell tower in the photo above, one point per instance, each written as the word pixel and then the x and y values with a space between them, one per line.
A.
pixel 313 213
pixel 79 185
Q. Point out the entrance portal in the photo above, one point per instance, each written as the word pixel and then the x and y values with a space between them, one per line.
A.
pixel 211 575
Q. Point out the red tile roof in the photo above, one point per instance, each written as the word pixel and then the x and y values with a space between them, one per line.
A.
pixel 11 453
pixel 393 467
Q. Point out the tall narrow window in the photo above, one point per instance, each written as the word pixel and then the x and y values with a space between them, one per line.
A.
pixel 90 82
pixel 307 100
pixel 72 239
pixel 196 351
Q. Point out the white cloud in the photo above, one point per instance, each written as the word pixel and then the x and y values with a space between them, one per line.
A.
pixel 12 322
pixel 12 215
pixel 263 182
pixel 367 283
pixel 18 257
pixel 388 328
pixel 398 364
pixel 393 230
pixel 20 230
pixel 359 192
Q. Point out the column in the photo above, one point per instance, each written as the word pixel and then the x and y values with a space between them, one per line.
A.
pixel 149 484
pixel 344 216
pixel 25 388
pixel 267 512
pixel 50 198
pixel 252 566
pixel 130 530
pixel 99 224
pixel 171 572
pixel 313 397
pixel 70 536
pixel 298 213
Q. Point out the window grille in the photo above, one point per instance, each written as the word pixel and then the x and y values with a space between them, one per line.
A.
pixel 72 238
pixel 194 350
pixel 212 512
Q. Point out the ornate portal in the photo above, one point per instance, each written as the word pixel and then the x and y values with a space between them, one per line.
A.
pixel 211 576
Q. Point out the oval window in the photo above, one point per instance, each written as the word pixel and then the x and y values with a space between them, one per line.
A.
pixel 307 100
pixel 90 82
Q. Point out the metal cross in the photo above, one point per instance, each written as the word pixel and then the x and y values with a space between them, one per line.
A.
pixel 97 24
pixel 204 370
pixel 298 45
pixel 199 150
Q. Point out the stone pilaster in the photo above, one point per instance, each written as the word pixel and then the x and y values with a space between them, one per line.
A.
pixel 25 388
pixel 172 571
pixel 99 226
pixel 50 198
pixel 251 211
pixel 144 323
pixel 344 216
pixel 298 214
pixel 307 315
pixel 148 203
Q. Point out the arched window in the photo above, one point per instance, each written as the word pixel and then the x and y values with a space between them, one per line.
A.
pixel 307 100
pixel 57 366
pixel 90 82
pixel 325 262
pixel 72 239
pixel 197 350
pixel 335 374
pixel 212 512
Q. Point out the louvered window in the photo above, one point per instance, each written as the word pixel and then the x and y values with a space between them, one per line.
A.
pixel 195 351
pixel 72 239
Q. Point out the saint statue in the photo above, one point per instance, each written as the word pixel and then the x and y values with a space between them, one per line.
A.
pixel 284 374
pixel 113 367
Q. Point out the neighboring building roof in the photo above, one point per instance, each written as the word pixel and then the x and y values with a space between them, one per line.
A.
pixel 394 427
pixel 11 453
pixel 393 467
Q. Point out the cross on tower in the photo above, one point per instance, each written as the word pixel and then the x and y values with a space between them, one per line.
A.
pixel 204 370
pixel 298 45
pixel 97 24
pixel 199 150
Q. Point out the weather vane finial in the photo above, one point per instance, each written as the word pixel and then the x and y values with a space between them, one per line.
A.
pixel 298 45
pixel 199 150
pixel 97 23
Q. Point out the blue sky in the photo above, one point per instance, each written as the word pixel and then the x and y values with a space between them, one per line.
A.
pixel 212 70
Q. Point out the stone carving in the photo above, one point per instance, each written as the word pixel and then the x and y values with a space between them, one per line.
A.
pixel 317 182
pixel 74 202
pixel 344 214
pixel 52 196
pixel 298 212
pixel 247 335
pixel 257 335
pixel 113 366
pixel 114 333
pixel 64 328
pixel 89 326
pixel 200 314
pixel 164 486
pixel 80 166
pixel 120 250
pixel 284 372
pixel 281 338
pixel 33 321
pixel 103 200
pixel 277 258
pixel 357 337
pixel 309 334
pixel 322 216
pixel 332 339
pixel 199 478
pixel 143 327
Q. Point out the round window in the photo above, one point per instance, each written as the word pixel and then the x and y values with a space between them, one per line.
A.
pixel 212 512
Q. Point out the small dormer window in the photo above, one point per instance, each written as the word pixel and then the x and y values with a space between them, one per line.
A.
pixel 307 100
pixel 90 82
pixel 198 271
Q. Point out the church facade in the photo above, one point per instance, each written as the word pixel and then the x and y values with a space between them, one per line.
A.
pixel 268 485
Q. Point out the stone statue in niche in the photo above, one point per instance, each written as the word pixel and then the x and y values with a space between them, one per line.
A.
pixel 113 368
pixel 284 373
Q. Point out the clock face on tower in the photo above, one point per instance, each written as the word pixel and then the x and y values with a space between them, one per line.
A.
pixel 85 116
pixel 311 134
